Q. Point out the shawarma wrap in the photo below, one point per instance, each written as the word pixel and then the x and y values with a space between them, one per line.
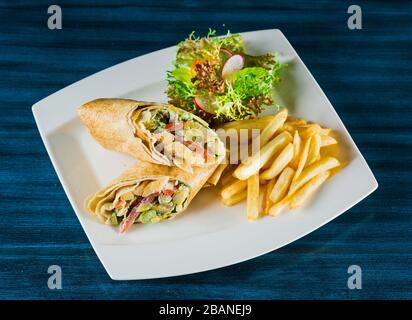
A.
pixel 154 132
pixel 146 193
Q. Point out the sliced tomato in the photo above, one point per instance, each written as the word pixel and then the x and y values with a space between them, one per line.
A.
pixel 194 146
pixel 174 126
pixel 194 64
pixel 208 157
pixel 120 203
pixel 200 150
pixel 168 192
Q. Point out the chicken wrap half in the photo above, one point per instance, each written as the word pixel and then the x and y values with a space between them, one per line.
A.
pixel 146 193
pixel 155 132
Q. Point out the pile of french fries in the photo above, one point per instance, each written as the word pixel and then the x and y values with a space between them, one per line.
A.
pixel 288 168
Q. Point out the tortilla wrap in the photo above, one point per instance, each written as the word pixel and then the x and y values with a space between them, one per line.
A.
pixel 117 124
pixel 142 174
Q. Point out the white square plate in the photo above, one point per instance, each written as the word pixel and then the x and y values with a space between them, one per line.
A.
pixel 208 235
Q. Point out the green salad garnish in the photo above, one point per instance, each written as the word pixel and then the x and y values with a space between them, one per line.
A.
pixel 214 78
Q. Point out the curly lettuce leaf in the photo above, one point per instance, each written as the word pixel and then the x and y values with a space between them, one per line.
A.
pixel 206 48
pixel 252 82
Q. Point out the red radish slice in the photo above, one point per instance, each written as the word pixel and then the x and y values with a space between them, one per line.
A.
pixel 128 221
pixel 134 214
pixel 233 64
pixel 224 55
pixel 203 104
pixel 226 51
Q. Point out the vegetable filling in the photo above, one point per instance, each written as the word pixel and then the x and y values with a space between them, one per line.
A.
pixel 179 136
pixel 148 202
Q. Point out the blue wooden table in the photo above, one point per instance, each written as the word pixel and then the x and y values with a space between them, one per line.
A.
pixel 367 74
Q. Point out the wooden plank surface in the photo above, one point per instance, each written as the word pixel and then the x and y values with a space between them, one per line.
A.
pixel 367 75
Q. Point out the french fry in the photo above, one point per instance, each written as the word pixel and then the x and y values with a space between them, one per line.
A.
pixel 257 161
pixel 227 177
pixel 295 121
pixel 327 141
pixel 272 127
pixel 233 188
pixel 282 185
pixel 302 159
pixel 269 163
pixel 289 127
pixel 298 198
pixel 277 208
pixel 269 131
pixel 314 150
pixel 288 168
pixel 325 131
pixel 259 123
pixel 215 177
pixel 244 152
pixel 262 181
pixel 280 163
pixel 238 197
pixel 297 145
pixel 308 189
pixel 253 197
pixel 266 198
pixel 309 130
pixel 313 170
pixel 234 128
